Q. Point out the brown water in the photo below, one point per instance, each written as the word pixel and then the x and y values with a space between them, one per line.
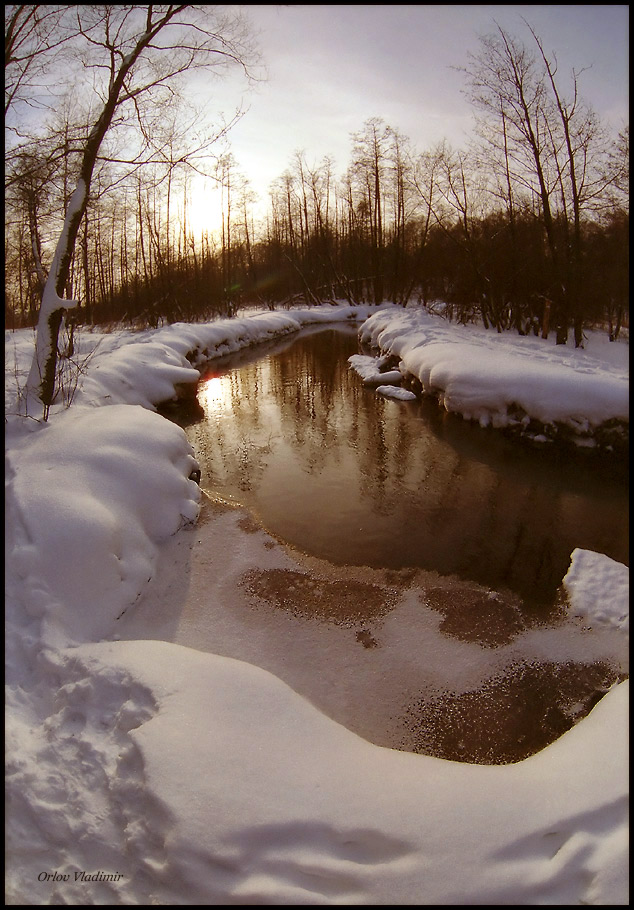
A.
pixel 342 474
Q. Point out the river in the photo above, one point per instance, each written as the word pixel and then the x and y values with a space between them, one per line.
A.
pixel 341 473
pixel 396 565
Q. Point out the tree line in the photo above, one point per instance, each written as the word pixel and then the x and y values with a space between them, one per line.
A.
pixel 526 228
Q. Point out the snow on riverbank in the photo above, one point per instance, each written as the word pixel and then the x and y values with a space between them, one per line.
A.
pixel 504 380
pixel 186 777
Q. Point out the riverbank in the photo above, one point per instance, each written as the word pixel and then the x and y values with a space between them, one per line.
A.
pixel 194 778
pixel 527 386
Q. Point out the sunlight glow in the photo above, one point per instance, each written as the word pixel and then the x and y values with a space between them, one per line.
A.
pixel 215 395
pixel 203 212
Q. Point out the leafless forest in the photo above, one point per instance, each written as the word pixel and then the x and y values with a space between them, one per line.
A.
pixel 526 228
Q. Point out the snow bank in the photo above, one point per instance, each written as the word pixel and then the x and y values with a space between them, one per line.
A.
pixel 142 373
pixel 224 786
pixel 94 493
pixel 502 380
pixel 149 372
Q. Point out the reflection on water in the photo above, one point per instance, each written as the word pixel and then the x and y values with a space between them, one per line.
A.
pixel 342 474
pixel 212 395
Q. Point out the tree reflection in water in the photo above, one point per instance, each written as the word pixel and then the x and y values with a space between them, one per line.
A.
pixel 345 475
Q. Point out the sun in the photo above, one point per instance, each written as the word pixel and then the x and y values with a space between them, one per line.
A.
pixel 200 207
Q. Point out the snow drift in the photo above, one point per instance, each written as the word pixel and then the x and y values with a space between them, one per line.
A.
pixel 146 772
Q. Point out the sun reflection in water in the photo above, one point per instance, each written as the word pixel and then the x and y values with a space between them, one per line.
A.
pixel 214 395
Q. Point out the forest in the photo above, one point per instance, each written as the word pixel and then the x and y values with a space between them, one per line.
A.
pixel 525 229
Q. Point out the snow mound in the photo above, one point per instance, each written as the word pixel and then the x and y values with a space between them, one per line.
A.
pixel 598 589
pixel 369 369
pixel 95 491
pixel 390 391
pixel 141 373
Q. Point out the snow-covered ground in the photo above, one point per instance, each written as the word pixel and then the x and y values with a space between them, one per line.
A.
pixel 142 771
pixel 539 388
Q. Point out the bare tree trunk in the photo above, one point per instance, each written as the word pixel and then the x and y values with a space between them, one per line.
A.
pixel 40 387
pixel 88 295
pixel 41 378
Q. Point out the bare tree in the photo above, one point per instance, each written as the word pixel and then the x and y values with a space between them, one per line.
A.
pixel 423 181
pixel 578 179
pixel 399 186
pixel 618 170
pixel 138 55
pixel 370 160
pixel 35 35
pixel 506 83
pixel 548 146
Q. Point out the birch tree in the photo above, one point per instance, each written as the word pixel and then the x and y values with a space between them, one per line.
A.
pixel 138 56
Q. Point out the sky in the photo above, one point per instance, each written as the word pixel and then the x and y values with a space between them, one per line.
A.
pixel 331 67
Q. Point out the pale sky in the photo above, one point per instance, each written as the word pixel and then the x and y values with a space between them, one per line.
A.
pixel 330 68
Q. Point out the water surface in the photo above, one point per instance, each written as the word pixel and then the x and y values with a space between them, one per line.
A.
pixel 342 474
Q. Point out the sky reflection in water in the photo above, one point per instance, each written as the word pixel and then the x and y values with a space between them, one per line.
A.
pixel 342 474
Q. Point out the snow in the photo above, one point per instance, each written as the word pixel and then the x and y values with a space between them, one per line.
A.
pixel 183 776
pixel 503 380
pixel 390 391
pixel 369 368
pixel 97 510
pixel 598 589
